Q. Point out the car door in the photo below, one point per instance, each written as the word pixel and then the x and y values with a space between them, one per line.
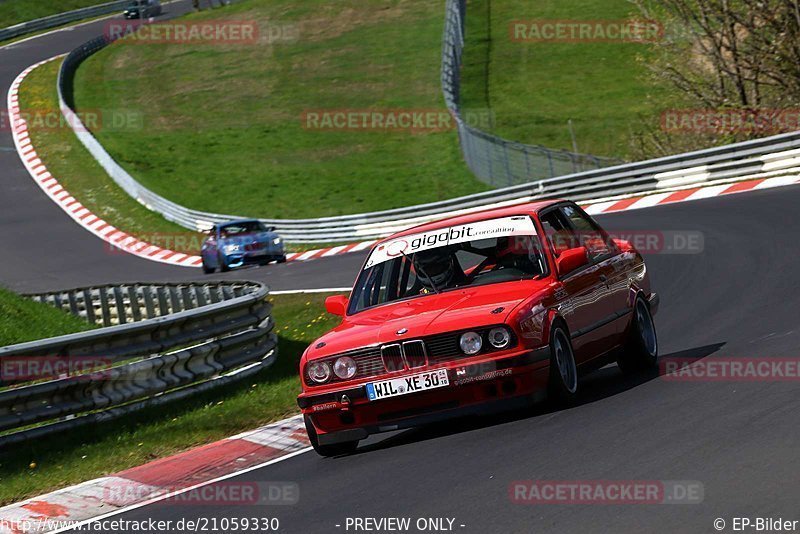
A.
pixel 584 297
pixel 612 267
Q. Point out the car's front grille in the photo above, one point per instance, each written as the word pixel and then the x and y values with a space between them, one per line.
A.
pixel 377 360
pixel 393 358
pixel 255 246
pixel 416 355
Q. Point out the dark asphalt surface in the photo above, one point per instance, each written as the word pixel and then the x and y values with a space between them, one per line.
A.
pixel 737 298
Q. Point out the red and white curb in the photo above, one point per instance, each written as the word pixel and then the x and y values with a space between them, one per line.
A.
pixel 117 239
pixel 686 194
pixel 161 480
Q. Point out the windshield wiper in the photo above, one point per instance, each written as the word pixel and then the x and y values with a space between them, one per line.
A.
pixel 422 272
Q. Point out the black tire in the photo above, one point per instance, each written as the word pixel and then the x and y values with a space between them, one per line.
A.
pixel 562 384
pixel 207 269
pixel 282 259
pixel 328 451
pixel 223 267
pixel 641 348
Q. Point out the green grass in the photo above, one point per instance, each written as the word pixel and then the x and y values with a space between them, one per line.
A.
pixel 154 433
pixel 17 11
pixel 535 88
pixel 24 320
pixel 223 129
pixel 76 170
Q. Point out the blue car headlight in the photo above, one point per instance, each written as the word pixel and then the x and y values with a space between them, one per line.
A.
pixel 277 241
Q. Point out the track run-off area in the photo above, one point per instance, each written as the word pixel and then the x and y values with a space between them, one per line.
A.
pixel 735 296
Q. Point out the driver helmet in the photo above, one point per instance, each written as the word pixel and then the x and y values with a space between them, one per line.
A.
pixel 438 264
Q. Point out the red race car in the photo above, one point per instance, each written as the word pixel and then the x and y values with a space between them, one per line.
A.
pixel 469 314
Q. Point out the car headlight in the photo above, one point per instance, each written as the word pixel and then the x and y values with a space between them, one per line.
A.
pixel 471 343
pixel 319 372
pixel 345 367
pixel 499 337
pixel 276 241
pixel 231 248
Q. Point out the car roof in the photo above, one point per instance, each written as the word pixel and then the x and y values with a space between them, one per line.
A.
pixel 492 213
pixel 239 221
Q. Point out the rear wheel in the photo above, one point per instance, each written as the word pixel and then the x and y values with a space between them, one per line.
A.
pixel 339 449
pixel 562 386
pixel 641 348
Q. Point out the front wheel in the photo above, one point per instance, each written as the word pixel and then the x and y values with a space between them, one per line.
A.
pixel 223 265
pixel 562 385
pixel 207 269
pixel 641 348
pixel 282 259
pixel 328 451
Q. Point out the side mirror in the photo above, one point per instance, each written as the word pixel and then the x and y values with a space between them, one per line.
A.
pixel 336 305
pixel 572 259
pixel 624 246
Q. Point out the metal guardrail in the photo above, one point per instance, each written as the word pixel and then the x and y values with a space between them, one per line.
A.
pixel 170 341
pixel 53 21
pixel 486 156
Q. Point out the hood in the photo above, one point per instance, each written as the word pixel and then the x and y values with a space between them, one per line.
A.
pixel 424 316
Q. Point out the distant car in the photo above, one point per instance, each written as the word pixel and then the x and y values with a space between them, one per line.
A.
pixel 142 9
pixel 237 243
pixel 454 317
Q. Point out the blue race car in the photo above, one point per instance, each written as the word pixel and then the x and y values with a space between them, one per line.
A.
pixel 237 243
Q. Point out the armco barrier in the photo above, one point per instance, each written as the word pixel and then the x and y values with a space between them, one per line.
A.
pixel 510 162
pixel 53 21
pixel 170 341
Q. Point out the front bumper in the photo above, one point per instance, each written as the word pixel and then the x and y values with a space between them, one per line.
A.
pixel 239 259
pixel 347 415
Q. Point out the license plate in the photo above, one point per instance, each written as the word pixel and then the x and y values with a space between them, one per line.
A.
pixel 407 384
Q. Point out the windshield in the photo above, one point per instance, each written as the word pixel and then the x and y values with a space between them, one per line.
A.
pixel 249 227
pixel 486 252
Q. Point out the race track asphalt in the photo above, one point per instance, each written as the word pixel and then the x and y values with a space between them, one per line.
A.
pixel 738 297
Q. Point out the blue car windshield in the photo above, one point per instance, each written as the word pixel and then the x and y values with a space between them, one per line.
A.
pixel 249 227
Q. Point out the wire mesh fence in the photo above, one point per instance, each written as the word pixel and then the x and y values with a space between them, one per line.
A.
pixel 494 160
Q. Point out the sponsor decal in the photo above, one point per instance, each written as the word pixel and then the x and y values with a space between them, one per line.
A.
pixel 493 228
pixel 325 407
pixel 482 378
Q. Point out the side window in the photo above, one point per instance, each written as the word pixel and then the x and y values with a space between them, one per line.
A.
pixel 558 232
pixel 587 233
